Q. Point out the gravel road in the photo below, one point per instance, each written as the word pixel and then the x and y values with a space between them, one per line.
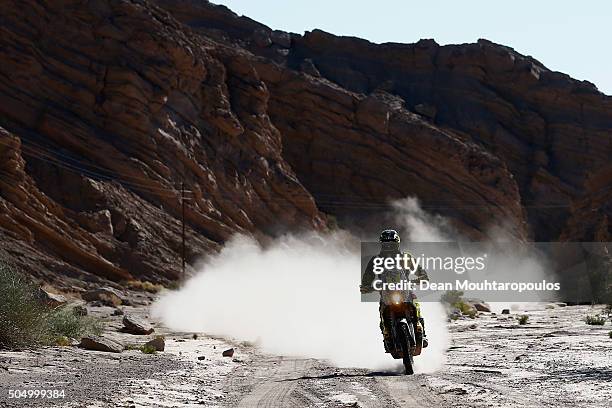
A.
pixel 554 360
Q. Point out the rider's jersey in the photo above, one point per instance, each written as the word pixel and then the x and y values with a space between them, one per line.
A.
pixel 391 275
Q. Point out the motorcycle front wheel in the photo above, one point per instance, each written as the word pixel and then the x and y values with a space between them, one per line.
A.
pixel 408 360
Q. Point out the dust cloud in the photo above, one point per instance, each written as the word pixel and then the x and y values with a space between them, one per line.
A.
pixel 419 225
pixel 299 297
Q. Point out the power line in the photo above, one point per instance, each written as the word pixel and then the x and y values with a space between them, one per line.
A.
pixel 320 199
pixel 49 158
pixel 73 159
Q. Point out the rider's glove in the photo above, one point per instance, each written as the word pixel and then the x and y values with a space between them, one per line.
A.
pixel 365 289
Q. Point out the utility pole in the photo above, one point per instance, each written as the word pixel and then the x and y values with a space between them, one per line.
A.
pixel 183 223
pixel 183 232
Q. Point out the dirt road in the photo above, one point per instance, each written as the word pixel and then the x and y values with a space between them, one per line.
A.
pixel 295 382
pixel 554 360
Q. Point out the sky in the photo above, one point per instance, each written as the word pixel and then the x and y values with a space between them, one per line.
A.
pixel 568 36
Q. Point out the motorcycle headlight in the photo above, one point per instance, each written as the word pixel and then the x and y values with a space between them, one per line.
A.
pixel 396 298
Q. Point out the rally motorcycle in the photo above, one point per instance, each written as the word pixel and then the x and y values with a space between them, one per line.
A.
pixel 406 333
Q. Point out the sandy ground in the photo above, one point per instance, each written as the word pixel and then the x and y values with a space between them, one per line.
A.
pixel 554 360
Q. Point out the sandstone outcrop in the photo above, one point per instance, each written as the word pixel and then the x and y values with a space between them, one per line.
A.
pixel 109 106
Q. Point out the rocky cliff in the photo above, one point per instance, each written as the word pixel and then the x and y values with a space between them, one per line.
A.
pixel 110 106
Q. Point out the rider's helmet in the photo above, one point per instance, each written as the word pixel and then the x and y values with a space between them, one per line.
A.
pixel 389 240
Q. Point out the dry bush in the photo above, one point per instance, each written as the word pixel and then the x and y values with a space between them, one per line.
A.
pixel 596 320
pixel 27 322
pixel 145 286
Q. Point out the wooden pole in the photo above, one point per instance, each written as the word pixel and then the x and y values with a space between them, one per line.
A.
pixel 183 223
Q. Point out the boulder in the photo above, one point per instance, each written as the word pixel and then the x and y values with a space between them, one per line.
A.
pixel 228 353
pixel 482 307
pixel 158 343
pixel 51 299
pixel 136 325
pixel 505 312
pixel 98 343
pixel 107 296
pixel 96 222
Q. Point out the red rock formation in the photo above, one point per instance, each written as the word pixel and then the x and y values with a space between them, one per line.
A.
pixel 551 133
pixel 108 106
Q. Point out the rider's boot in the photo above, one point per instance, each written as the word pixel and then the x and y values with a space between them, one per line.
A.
pixel 425 341
pixel 387 340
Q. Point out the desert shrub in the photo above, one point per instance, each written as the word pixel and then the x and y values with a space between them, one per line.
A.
pixel 27 322
pixel 332 222
pixel 22 315
pixel 174 285
pixel 523 319
pixel 596 320
pixel 452 296
pixel 148 349
pixel 152 287
pixel 466 309
pixel 63 321
pixel 62 341
pixel 610 334
pixel 145 286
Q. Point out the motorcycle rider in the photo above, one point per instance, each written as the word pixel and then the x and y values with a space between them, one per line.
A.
pixel 390 247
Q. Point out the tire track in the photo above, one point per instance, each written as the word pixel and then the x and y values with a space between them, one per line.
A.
pixel 274 392
pixel 270 382
pixel 412 392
